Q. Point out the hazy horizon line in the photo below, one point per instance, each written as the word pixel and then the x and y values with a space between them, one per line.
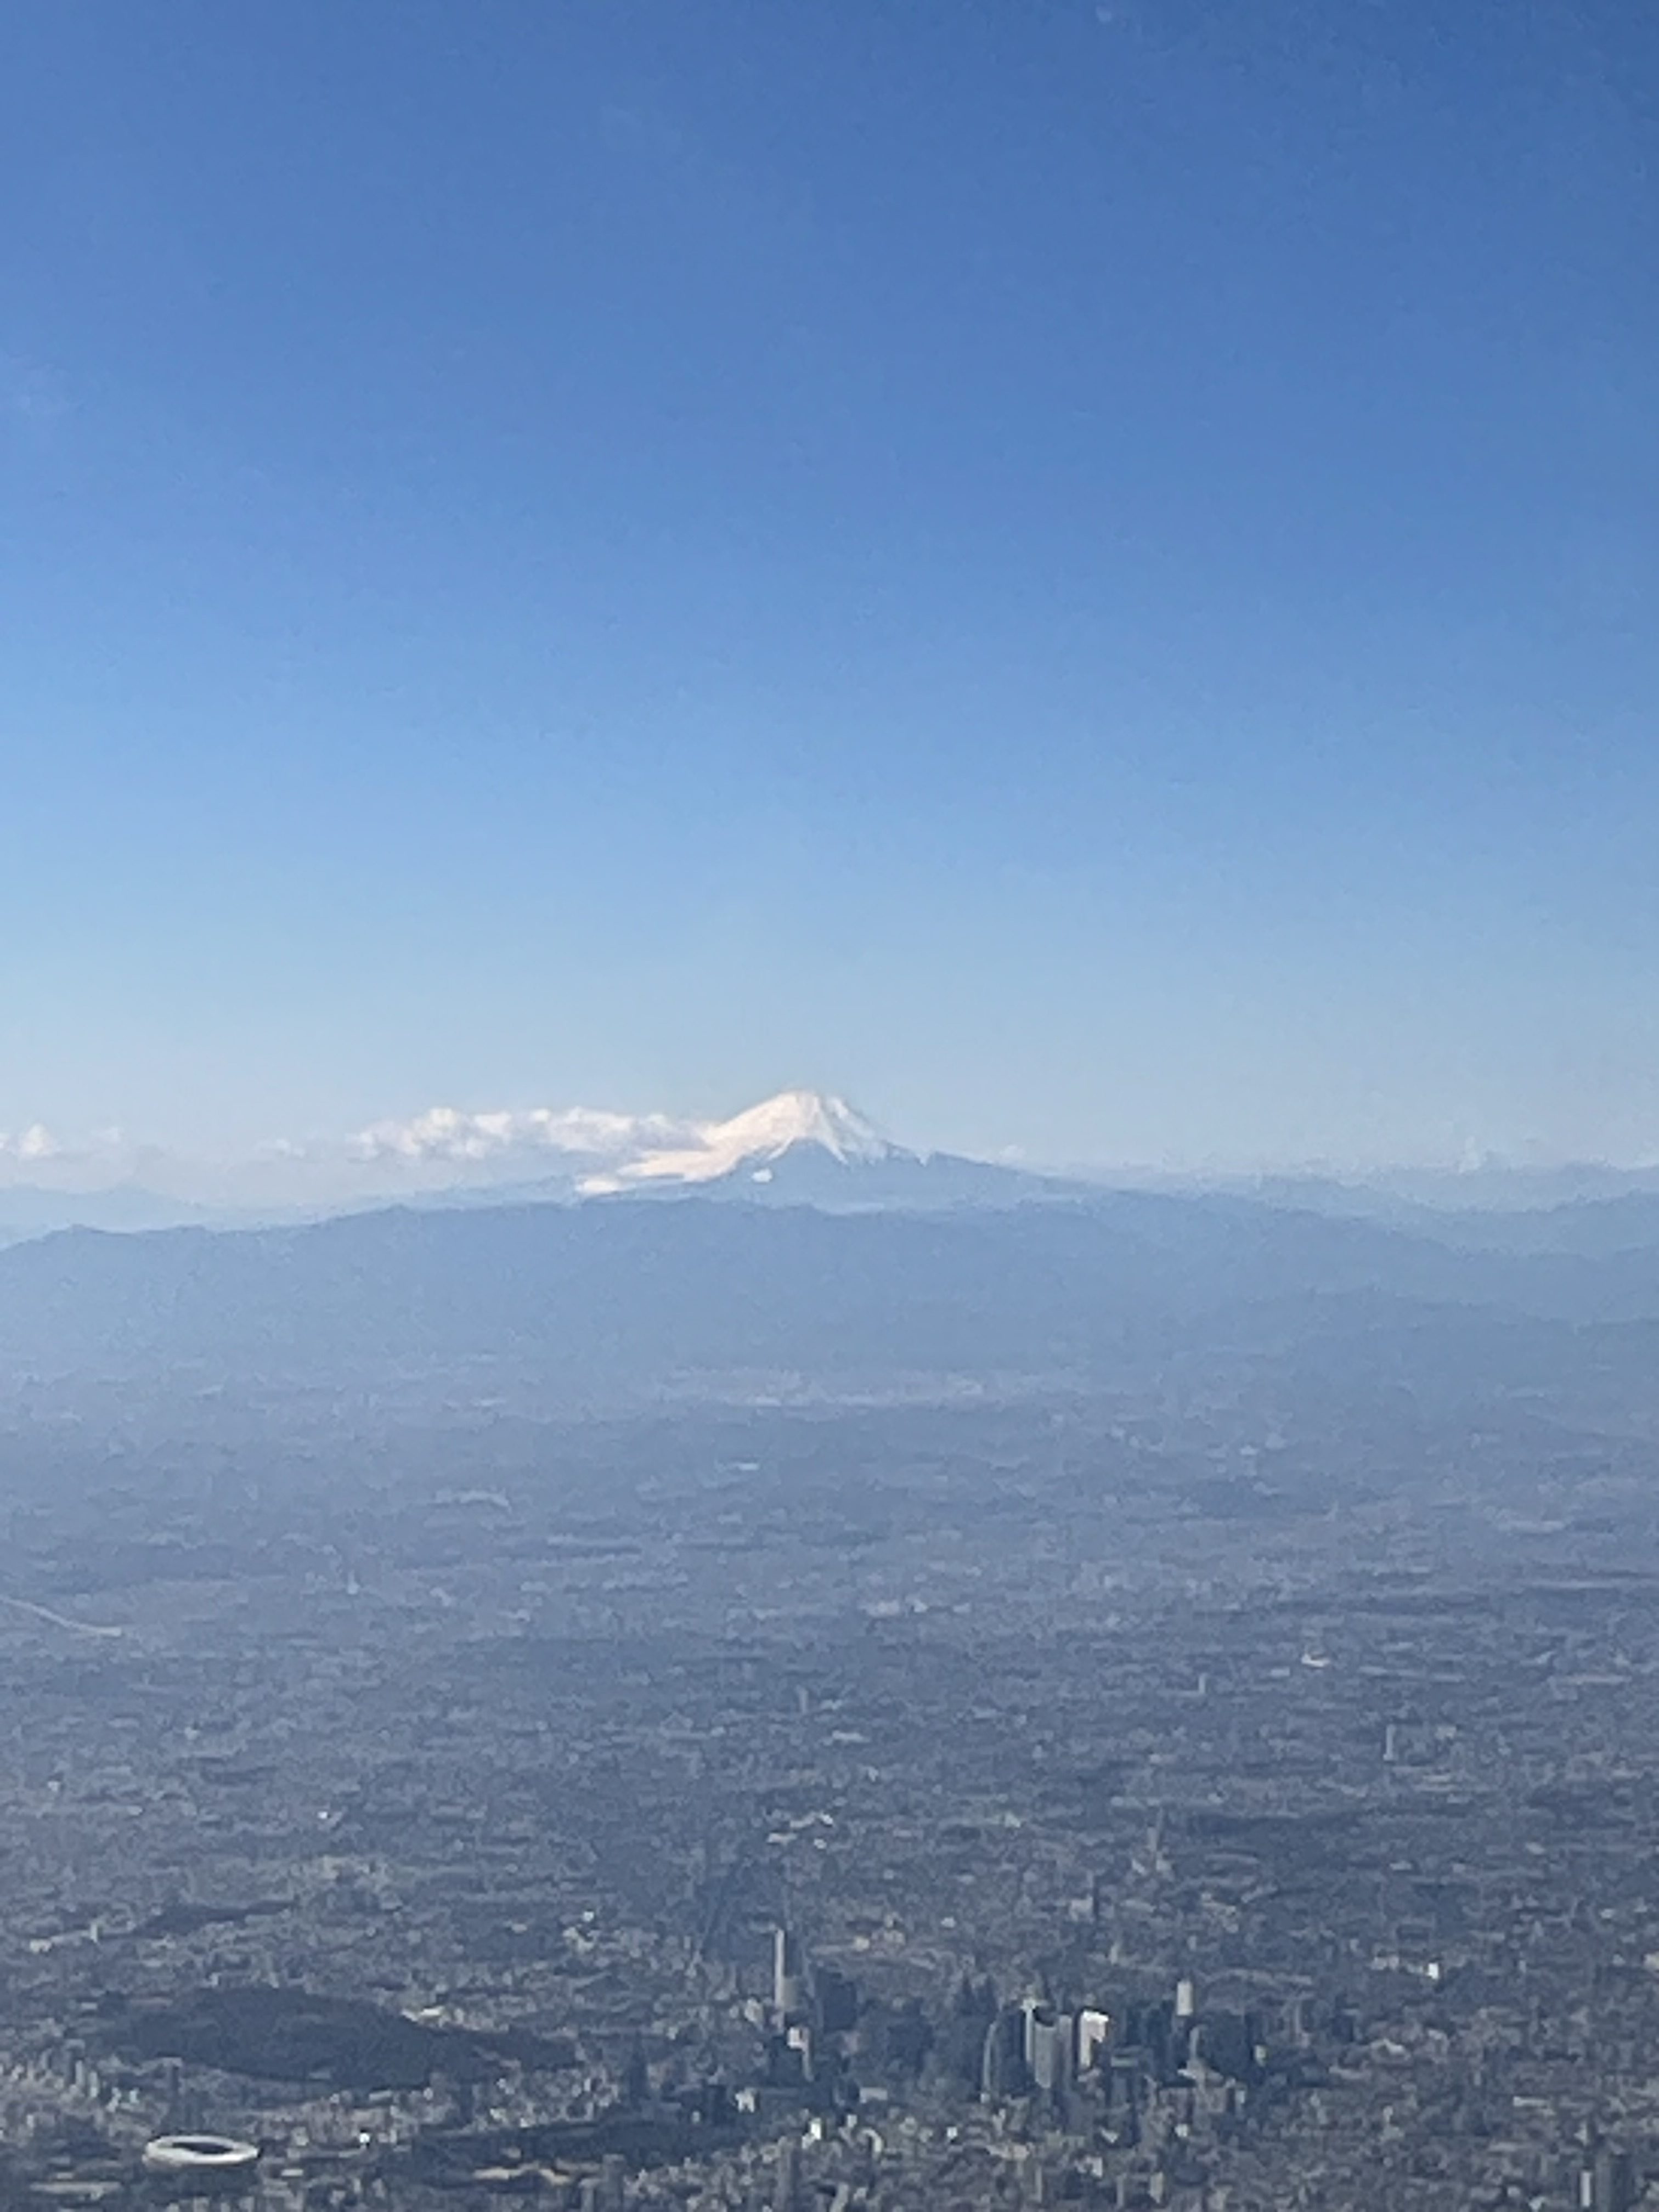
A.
pixel 445 1147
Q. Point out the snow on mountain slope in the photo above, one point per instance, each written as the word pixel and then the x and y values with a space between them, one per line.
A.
pixel 754 1141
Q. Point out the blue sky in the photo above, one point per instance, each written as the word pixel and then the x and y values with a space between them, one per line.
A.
pixel 1084 576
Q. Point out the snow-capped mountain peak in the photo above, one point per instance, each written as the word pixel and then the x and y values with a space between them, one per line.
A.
pixel 753 1141
pixel 799 1117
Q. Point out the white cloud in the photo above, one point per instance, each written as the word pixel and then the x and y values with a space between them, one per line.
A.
pixel 446 1133
pixel 39 1155
pixel 35 1142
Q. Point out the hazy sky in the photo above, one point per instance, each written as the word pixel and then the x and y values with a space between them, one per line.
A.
pixel 1084 575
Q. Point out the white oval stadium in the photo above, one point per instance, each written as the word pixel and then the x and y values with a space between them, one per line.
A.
pixel 196 2157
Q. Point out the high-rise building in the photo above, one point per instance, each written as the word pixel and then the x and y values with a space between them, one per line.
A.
pixel 1094 2032
pixel 787 1990
pixel 834 2002
pixel 1607 2183
pixel 636 2076
pixel 1049 2048
pixel 786 2194
pixel 1003 2069
pixel 961 2041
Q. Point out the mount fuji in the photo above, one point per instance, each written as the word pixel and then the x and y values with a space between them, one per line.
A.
pixel 755 1142
pixel 798 1148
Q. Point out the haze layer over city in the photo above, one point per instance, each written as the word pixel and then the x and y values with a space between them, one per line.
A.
pixel 829 1106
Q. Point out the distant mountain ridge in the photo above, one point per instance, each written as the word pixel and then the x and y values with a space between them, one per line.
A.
pixel 31 1210
pixel 622 1297
pixel 798 1148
